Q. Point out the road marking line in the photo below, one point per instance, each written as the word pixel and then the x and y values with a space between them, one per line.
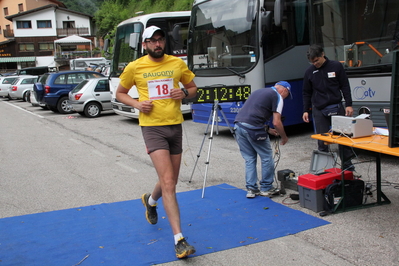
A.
pixel 29 112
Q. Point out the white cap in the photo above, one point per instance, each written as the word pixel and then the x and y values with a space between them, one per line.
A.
pixel 148 32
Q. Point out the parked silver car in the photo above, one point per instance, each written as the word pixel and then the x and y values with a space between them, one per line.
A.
pixel 21 87
pixel 91 97
pixel 5 82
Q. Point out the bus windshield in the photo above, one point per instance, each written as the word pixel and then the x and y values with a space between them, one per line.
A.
pixel 360 34
pixel 223 40
pixel 123 53
pixel 176 29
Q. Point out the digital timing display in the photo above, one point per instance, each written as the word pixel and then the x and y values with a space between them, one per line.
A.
pixel 232 93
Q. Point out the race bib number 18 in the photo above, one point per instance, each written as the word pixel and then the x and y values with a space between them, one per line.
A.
pixel 160 88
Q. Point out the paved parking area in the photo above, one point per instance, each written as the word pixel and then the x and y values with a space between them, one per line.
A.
pixel 51 162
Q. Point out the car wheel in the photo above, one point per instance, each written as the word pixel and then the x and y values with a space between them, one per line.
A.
pixel 92 110
pixel 26 97
pixel 63 107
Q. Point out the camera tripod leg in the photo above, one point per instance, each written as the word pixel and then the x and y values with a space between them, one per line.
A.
pixel 209 149
pixel 202 144
pixel 212 121
pixel 227 121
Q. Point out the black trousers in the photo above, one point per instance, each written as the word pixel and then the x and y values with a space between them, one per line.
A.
pixel 322 124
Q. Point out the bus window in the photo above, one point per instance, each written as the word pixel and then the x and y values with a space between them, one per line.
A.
pixel 293 29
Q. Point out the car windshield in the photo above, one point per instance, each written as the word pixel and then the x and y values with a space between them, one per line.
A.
pixel 94 75
pixel 80 86
pixel 44 78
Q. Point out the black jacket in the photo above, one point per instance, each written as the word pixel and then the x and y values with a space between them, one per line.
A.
pixel 325 86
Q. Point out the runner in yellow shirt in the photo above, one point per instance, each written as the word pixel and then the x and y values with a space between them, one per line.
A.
pixel 156 77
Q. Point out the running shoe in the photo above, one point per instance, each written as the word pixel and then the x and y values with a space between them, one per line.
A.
pixel 251 193
pixel 151 211
pixel 183 249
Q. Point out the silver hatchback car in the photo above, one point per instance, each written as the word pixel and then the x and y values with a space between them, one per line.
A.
pixel 21 87
pixel 90 97
pixel 5 83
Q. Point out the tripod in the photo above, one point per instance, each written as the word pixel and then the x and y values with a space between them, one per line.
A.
pixel 211 122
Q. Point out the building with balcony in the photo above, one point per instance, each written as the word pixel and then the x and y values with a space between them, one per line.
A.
pixel 10 7
pixel 47 35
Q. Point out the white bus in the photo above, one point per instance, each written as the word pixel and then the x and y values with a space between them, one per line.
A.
pixel 127 48
pixel 236 46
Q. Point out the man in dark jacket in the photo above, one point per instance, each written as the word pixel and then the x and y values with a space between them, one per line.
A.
pixel 324 84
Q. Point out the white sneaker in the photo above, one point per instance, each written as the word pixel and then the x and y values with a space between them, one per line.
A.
pixel 251 193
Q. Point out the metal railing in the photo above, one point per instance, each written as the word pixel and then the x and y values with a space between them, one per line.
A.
pixel 8 33
pixel 60 32
pixel 72 31
pixel 76 54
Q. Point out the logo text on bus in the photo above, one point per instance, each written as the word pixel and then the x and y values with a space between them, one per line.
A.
pixel 361 93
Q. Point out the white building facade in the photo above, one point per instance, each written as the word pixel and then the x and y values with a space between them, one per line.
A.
pixel 35 32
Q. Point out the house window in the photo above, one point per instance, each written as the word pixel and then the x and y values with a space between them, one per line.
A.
pixel 26 47
pixel 68 24
pixel 5 11
pixel 46 46
pixel 24 24
pixel 20 7
pixel 43 24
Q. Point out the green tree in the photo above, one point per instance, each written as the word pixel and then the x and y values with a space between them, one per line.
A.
pixel 84 6
pixel 112 12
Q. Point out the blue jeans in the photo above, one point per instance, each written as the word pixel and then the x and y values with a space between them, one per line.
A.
pixel 250 150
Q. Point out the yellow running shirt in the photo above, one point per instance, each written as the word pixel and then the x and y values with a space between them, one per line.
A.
pixel 153 81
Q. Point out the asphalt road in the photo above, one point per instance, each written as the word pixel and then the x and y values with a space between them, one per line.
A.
pixel 51 162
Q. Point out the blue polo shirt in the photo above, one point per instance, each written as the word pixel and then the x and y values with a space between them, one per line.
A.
pixel 260 106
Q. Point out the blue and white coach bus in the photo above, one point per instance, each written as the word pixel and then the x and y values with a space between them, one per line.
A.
pixel 238 46
pixel 127 48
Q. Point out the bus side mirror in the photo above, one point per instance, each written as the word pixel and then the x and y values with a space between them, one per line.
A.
pixel 134 40
pixel 176 34
pixel 106 45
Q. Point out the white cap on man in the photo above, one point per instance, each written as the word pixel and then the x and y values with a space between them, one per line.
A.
pixel 148 32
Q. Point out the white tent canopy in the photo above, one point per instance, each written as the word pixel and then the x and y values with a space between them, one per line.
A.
pixel 74 39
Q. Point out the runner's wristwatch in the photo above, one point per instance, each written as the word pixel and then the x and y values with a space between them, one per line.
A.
pixel 185 92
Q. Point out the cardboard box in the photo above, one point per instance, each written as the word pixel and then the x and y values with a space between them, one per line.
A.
pixel 311 187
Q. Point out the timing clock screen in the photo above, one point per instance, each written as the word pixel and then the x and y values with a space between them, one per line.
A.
pixel 233 93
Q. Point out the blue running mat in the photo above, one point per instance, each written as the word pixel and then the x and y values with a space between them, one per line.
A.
pixel 118 233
